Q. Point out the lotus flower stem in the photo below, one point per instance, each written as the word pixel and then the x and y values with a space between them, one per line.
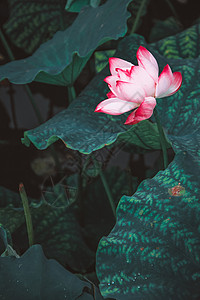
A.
pixel 34 105
pixel 4 42
pixel 27 213
pixel 162 138
pixel 135 24
pixel 71 93
pixel 106 187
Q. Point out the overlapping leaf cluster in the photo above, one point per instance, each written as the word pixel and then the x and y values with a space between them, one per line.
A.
pixel 153 250
pixel 152 226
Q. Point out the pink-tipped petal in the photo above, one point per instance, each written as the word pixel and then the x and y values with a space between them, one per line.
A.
pixel 144 111
pixel 130 92
pixel 141 78
pixel 175 85
pixel 148 62
pixel 110 95
pixel 111 81
pixel 124 75
pixel 164 82
pixel 115 62
pixel 115 106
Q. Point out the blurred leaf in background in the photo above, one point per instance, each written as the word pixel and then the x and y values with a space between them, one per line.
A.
pixel 31 23
pixel 67 232
pixel 60 60
pixel 164 28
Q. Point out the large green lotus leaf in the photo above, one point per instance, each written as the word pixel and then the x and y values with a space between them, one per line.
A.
pixel 32 23
pixel 61 59
pixel 33 276
pixel 153 250
pixel 82 129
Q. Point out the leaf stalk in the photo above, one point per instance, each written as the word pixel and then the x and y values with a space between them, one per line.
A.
pixel 135 24
pixel 163 141
pixel 27 214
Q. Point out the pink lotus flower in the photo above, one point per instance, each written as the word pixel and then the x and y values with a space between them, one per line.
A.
pixel 136 87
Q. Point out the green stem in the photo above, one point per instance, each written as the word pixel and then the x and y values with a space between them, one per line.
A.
pixel 71 93
pixel 34 105
pixel 104 181
pixel 135 24
pixel 12 105
pixel 163 141
pixel 4 42
pixel 27 213
pixel 106 187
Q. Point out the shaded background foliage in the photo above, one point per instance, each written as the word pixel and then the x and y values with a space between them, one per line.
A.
pixel 153 225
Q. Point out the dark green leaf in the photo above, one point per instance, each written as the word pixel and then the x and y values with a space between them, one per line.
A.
pixel 60 60
pixel 5 247
pixel 77 5
pixel 153 251
pixel 10 218
pixel 33 276
pixel 3 239
pixel 101 59
pixel 164 28
pixel 32 23
pixel 61 235
pixel 145 135
pixel 183 45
